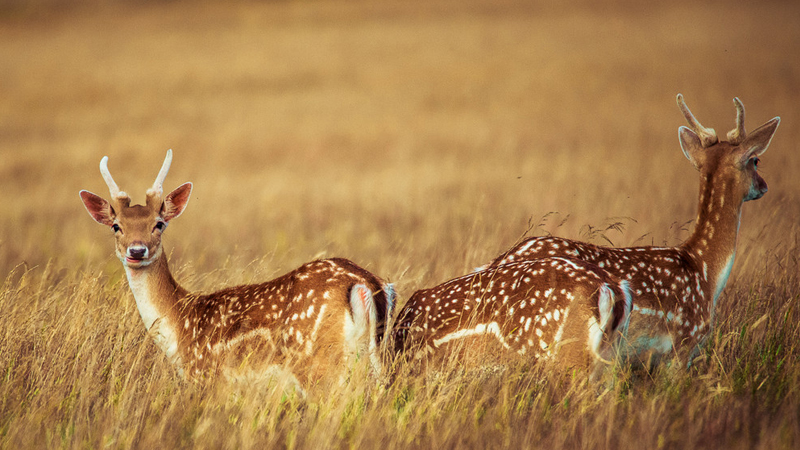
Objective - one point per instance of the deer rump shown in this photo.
(555, 309)
(313, 331)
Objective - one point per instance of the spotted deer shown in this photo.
(560, 308)
(308, 323)
(675, 289)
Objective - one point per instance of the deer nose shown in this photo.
(137, 252)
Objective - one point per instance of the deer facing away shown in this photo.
(558, 308)
(675, 289)
(309, 323)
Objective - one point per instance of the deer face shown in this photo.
(755, 186)
(138, 229)
(748, 153)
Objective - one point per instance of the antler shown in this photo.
(158, 185)
(737, 135)
(707, 136)
(112, 185)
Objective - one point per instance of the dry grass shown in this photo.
(418, 140)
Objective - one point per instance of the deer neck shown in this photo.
(157, 295)
(713, 242)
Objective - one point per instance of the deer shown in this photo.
(561, 309)
(676, 289)
(308, 325)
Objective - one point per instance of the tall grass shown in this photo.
(78, 371)
(419, 140)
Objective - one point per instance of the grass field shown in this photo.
(418, 139)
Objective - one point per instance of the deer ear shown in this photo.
(100, 210)
(757, 141)
(690, 144)
(175, 202)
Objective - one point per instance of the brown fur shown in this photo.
(298, 321)
(675, 289)
(532, 309)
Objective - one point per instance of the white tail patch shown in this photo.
(605, 305)
(597, 329)
(362, 325)
(362, 306)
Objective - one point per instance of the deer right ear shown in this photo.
(690, 144)
(758, 140)
(98, 208)
(175, 202)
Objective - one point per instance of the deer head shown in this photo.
(736, 159)
(138, 228)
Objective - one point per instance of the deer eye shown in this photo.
(160, 226)
(116, 228)
(755, 162)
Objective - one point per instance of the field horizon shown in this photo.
(417, 139)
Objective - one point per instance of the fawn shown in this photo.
(309, 323)
(675, 289)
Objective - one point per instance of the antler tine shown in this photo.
(707, 135)
(112, 185)
(737, 135)
(158, 188)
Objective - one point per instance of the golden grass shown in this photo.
(418, 140)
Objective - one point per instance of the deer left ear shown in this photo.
(690, 144)
(100, 210)
(175, 202)
(757, 141)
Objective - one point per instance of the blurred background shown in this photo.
(419, 139)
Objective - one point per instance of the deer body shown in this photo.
(311, 321)
(675, 289)
(305, 317)
(554, 307)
